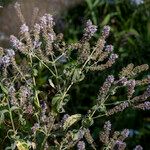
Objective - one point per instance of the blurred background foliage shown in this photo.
(130, 35)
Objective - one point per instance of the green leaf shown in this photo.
(77, 76)
(71, 120)
(87, 122)
(14, 108)
(133, 31)
(21, 145)
(56, 99)
(107, 18)
(3, 89)
(89, 3)
(59, 101)
(96, 3)
(2, 117)
(35, 72)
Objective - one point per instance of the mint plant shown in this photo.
(34, 117)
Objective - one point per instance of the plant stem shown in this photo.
(11, 117)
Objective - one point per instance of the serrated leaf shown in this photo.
(56, 99)
(22, 145)
(77, 76)
(59, 101)
(71, 120)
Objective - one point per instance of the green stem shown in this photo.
(34, 82)
(45, 65)
(11, 117)
(88, 59)
(56, 72)
(47, 134)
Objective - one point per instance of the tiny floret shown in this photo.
(138, 147)
(113, 57)
(24, 28)
(10, 52)
(89, 30)
(81, 145)
(6, 60)
(110, 79)
(37, 27)
(105, 31)
(109, 48)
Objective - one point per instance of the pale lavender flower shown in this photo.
(147, 105)
(146, 93)
(65, 117)
(43, 107)
(143, 106)
(35, 127)
(106, 86)
(125, 133)
(80, 134)
(107, 126)
(138, 147)
(105, 31)
(37, 27)
(15, 42)
(10, 52)
(13, 39)
(89, 30)
(24, 28)
(148, 89)
(113, 57)
(131, 85)
(110, 79)
(81, 145)
(43, 21)
(109, 48)
(119, 145)
(6, 60)
(11, 92)
(25, 91)
(51, 37)
(29, 109)
(50, 19)
(118, 108)
(37, 44)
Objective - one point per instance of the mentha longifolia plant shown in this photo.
(30, 115)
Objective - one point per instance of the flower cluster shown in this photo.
(37, 74)
(89, 30)
(115, 140)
